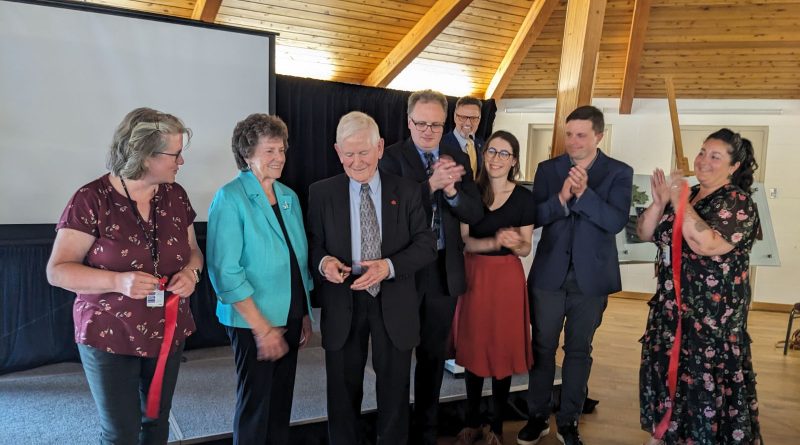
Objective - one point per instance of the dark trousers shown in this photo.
(119, 385)
(345, 373)
(264, 389)
(500, 390)
(583, 314)
(436, 317)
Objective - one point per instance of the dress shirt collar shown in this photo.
(591, 164)
(462, 141)
(374, 184)
(434, 152)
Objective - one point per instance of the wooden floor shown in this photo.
(615, 380)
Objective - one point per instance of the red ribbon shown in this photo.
(170, 322)
(675, 352)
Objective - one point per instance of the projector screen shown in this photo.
(70, 73)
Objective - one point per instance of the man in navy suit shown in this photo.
(582, 201)
(450, 197)
(467, 117)
(369, 235)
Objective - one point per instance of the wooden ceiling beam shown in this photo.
(531, 27)
(680, 160)
(206, 10)
(633, 59)
(583, 28)
(430, 25)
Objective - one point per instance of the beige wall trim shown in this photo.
(771, 307)
(643, 296)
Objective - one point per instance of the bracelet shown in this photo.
(195, 274)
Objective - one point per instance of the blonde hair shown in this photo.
(141, 133)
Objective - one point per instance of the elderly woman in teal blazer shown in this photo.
(258, 264)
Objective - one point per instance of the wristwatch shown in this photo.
(196, 273)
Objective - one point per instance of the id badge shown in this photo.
(156, 298)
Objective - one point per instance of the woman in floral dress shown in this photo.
(715, 401)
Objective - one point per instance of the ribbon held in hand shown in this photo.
(675, 351)
(170, 322)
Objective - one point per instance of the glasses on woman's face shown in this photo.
(174, 155)
(492, 152)
(435, 127)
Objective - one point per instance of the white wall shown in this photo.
(643, 139)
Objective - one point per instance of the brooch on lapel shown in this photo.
(285, 205)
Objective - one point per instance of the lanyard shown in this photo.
(150, 237)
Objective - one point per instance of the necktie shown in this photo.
(436, 219)
(370, 233)
(473, 157)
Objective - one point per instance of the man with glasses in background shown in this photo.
(467, 118)
(450, 197)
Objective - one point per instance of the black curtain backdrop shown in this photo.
(36, 319)
(312, 109)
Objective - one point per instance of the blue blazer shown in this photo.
(587, 235)
(246, 252)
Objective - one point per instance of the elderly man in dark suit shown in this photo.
(582, 201)
(368, 237)
(467, 117)
(449, 196)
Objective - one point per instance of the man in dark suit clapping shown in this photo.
(582, 201)
(450, 197)
(368, 237)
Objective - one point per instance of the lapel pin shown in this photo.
(285, 206)
(393, 202)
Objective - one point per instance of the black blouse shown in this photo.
(517, 211)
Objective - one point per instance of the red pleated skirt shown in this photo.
(491, 328)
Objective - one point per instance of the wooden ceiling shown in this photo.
(710, 48)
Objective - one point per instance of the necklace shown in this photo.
(150, 237)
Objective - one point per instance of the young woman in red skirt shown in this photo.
(491, 331)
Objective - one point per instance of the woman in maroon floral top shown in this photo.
(117, 237)
(715, 401)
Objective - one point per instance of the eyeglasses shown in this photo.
(473, 119)
(502, 154)
(174, 155)
(435, 127)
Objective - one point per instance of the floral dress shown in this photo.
(715, 402)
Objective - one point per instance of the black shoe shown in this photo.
(533, 431)
(589, 405)
(568, 434)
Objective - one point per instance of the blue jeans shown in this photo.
(119, 385)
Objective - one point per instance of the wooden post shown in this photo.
(680, 159)
(641, 15)
(579, 54)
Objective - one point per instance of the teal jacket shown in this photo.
(246, 253)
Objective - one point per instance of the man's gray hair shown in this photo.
(426, 96)
(355, 121)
